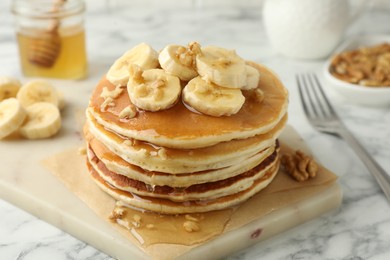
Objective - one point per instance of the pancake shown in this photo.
(178, 127)
(165, 206)
(204, 191)
(178, 161)
(116, 164)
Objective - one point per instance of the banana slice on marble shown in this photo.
(9, 87)
(61, 100)
(153, 89)
(142, 55)
(179, 60)
(37, 91)
(222, 67)
(12, 116)
(211, 99)
(252, 78)
(43, 121)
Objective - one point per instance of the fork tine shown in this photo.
(305, 108)
(317, 96)
(327, 102)
(307, 97)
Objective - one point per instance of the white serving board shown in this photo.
(44, 196)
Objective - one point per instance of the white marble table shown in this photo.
(360, 229)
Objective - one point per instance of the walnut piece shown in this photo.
(162, 153)
(128, 113)
(137, 221)
(258, 95)
(187, 55)
(190, 226)
(368, 66)
(108, 102)
(135, 73)
(117, 213)
(300, 166)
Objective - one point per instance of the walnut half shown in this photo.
(300, 166)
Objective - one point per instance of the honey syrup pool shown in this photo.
(71, 61)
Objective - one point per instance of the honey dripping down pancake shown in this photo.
(189, 129)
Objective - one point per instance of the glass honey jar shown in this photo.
(51, 38)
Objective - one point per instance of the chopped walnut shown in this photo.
(258, 95)
(117, 213)
(184, 56)
(128, 113)
(111, 93)
(162, 153)
(136, 72)
(369, 66)
(300, 166)
(137, 220)
(108, 102)
(190, 226)
(187, 55)
(194, 48)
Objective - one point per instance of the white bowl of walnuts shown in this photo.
(360, 70)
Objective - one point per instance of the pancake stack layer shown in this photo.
(193, 154)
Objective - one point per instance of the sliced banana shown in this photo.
(43, 120)
(179, 60)
(211, 99)
(9, 87)
(221, 66)
(154, 89)
(252, 78)
(12, 116)
(142, 55)
(37, 91)
(61, 100)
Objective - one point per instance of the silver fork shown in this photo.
(324, 118)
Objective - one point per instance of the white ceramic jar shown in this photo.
(306, 29)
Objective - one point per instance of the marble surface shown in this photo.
(360, 229)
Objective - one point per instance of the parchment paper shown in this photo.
(70, 167)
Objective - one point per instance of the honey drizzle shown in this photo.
(155, 228)
(180, 122)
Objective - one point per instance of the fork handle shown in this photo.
(376, 170)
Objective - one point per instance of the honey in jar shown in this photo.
(51, 38)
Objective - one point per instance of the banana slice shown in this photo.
(9, 87)
(37, 91)
(179, 60)
(222, 67)
(154, 89)
(252, 78)
(43, 120)
(211, 99)
(12, 116)
(142, 55)
(61, 100)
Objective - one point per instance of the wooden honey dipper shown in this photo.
(44, 50)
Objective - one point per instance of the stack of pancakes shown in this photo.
(178, 161)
